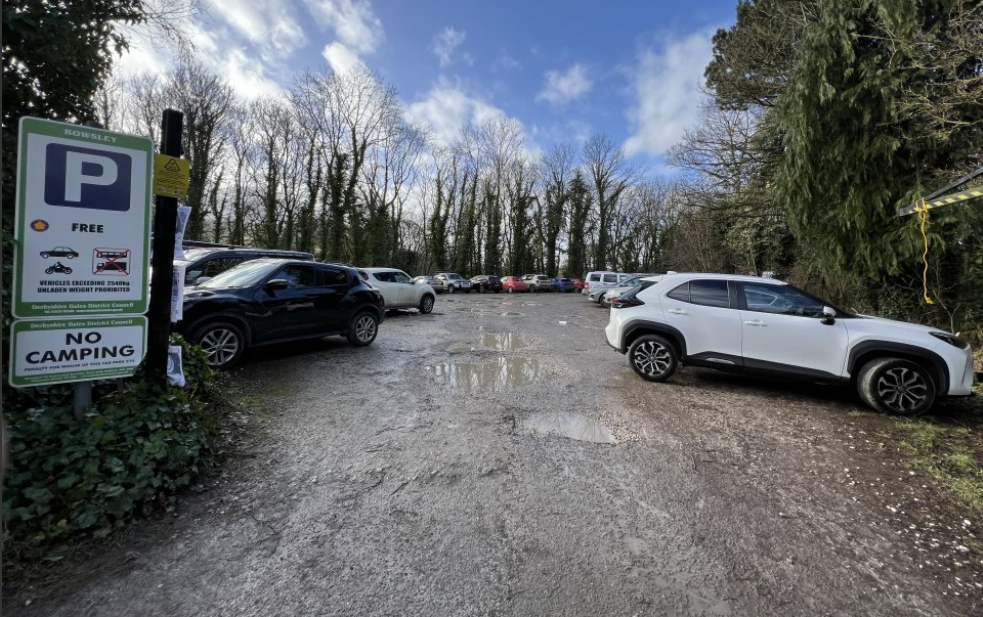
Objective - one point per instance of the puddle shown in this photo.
(504, 341)
(511, 314)
(499, 374)
(568, 424)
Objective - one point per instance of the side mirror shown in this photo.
(277, 284)
(829, 316)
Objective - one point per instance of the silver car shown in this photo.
(437, 284)
(454, 282)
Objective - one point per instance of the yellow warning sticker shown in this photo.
(171, 176)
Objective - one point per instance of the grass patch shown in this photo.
(950, 449)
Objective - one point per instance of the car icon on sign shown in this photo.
(60, 251)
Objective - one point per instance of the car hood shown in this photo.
(872, 321)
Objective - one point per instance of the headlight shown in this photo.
(953, 340)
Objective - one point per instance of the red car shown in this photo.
(513, 284)
(578, 284)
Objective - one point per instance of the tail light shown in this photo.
(621, 302)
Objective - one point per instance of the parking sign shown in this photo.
(83, 221)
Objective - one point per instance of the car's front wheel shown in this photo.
(895, 385)
(363, 329)
(450, 289)
(426, 304)
(222, 342)
(653, 357)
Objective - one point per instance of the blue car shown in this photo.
(562, 284)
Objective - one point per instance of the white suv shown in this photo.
(398, 289)
(747, 323)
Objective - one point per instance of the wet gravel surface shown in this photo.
(497, 458)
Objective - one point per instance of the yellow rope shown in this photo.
(922, 209)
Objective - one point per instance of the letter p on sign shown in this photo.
(79, 177)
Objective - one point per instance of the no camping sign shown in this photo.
(53, 351)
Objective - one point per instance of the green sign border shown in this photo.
(52, 128)
(41, 379)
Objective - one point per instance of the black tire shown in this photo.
(70, 256)
(426, 304)
(67, 270)
(45, 256)
(511, 290)
(604, 303)
(222, 342)
(897, 386)
(653, 357)
(48, 270)
(363, 329)
(450, 289)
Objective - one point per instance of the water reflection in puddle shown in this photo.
(504, 341)
(493, 376)
(568, 424)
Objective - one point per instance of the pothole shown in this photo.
(569, 424)
(502, 341)
(498, 374)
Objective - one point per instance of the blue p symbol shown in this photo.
(86, 178)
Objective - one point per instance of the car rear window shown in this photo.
(709, 293)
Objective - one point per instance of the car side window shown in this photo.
(384, 277)
(364, 275)
(298, 276)
(610, 278)
(780, 300)
(594, 278)
(680, 293)
(331, 276)
(709, 293)
(401, 277)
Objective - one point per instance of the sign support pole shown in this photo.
(165, 224)
(82, 399)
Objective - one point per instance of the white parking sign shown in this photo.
(83, 221)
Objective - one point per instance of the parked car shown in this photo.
(513, 284)
(204, 262)
(626, 285)
(455, 282)
(578, 284)
(267, 301)
(745, 323)
(599, 282)
(561, 284)
(537, 282)
(435, 283)
(398, 289)
(486, 282)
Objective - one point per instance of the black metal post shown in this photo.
(165, 223)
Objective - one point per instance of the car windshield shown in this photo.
(455, 277)
(246, 275)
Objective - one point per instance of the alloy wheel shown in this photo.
(902, 389)
(365, 329)
(221, 346)
(652, 358)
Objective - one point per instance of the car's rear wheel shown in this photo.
(426, 304)
(653, 357)
(363, 329)
(511, 289)
(896, 385)
(222, 342)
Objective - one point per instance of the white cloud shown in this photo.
(341, 58)
(268, 24)
(447, 109)
(446, 43)
(667, 87)
(564, 87)
(353, 22)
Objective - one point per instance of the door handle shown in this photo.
(756, 322)
(678, 311)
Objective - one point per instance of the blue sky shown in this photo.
(565, 70)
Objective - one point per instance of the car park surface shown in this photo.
(496, 458)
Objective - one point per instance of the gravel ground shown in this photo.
(497, 458)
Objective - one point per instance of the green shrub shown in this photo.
(70, 480)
